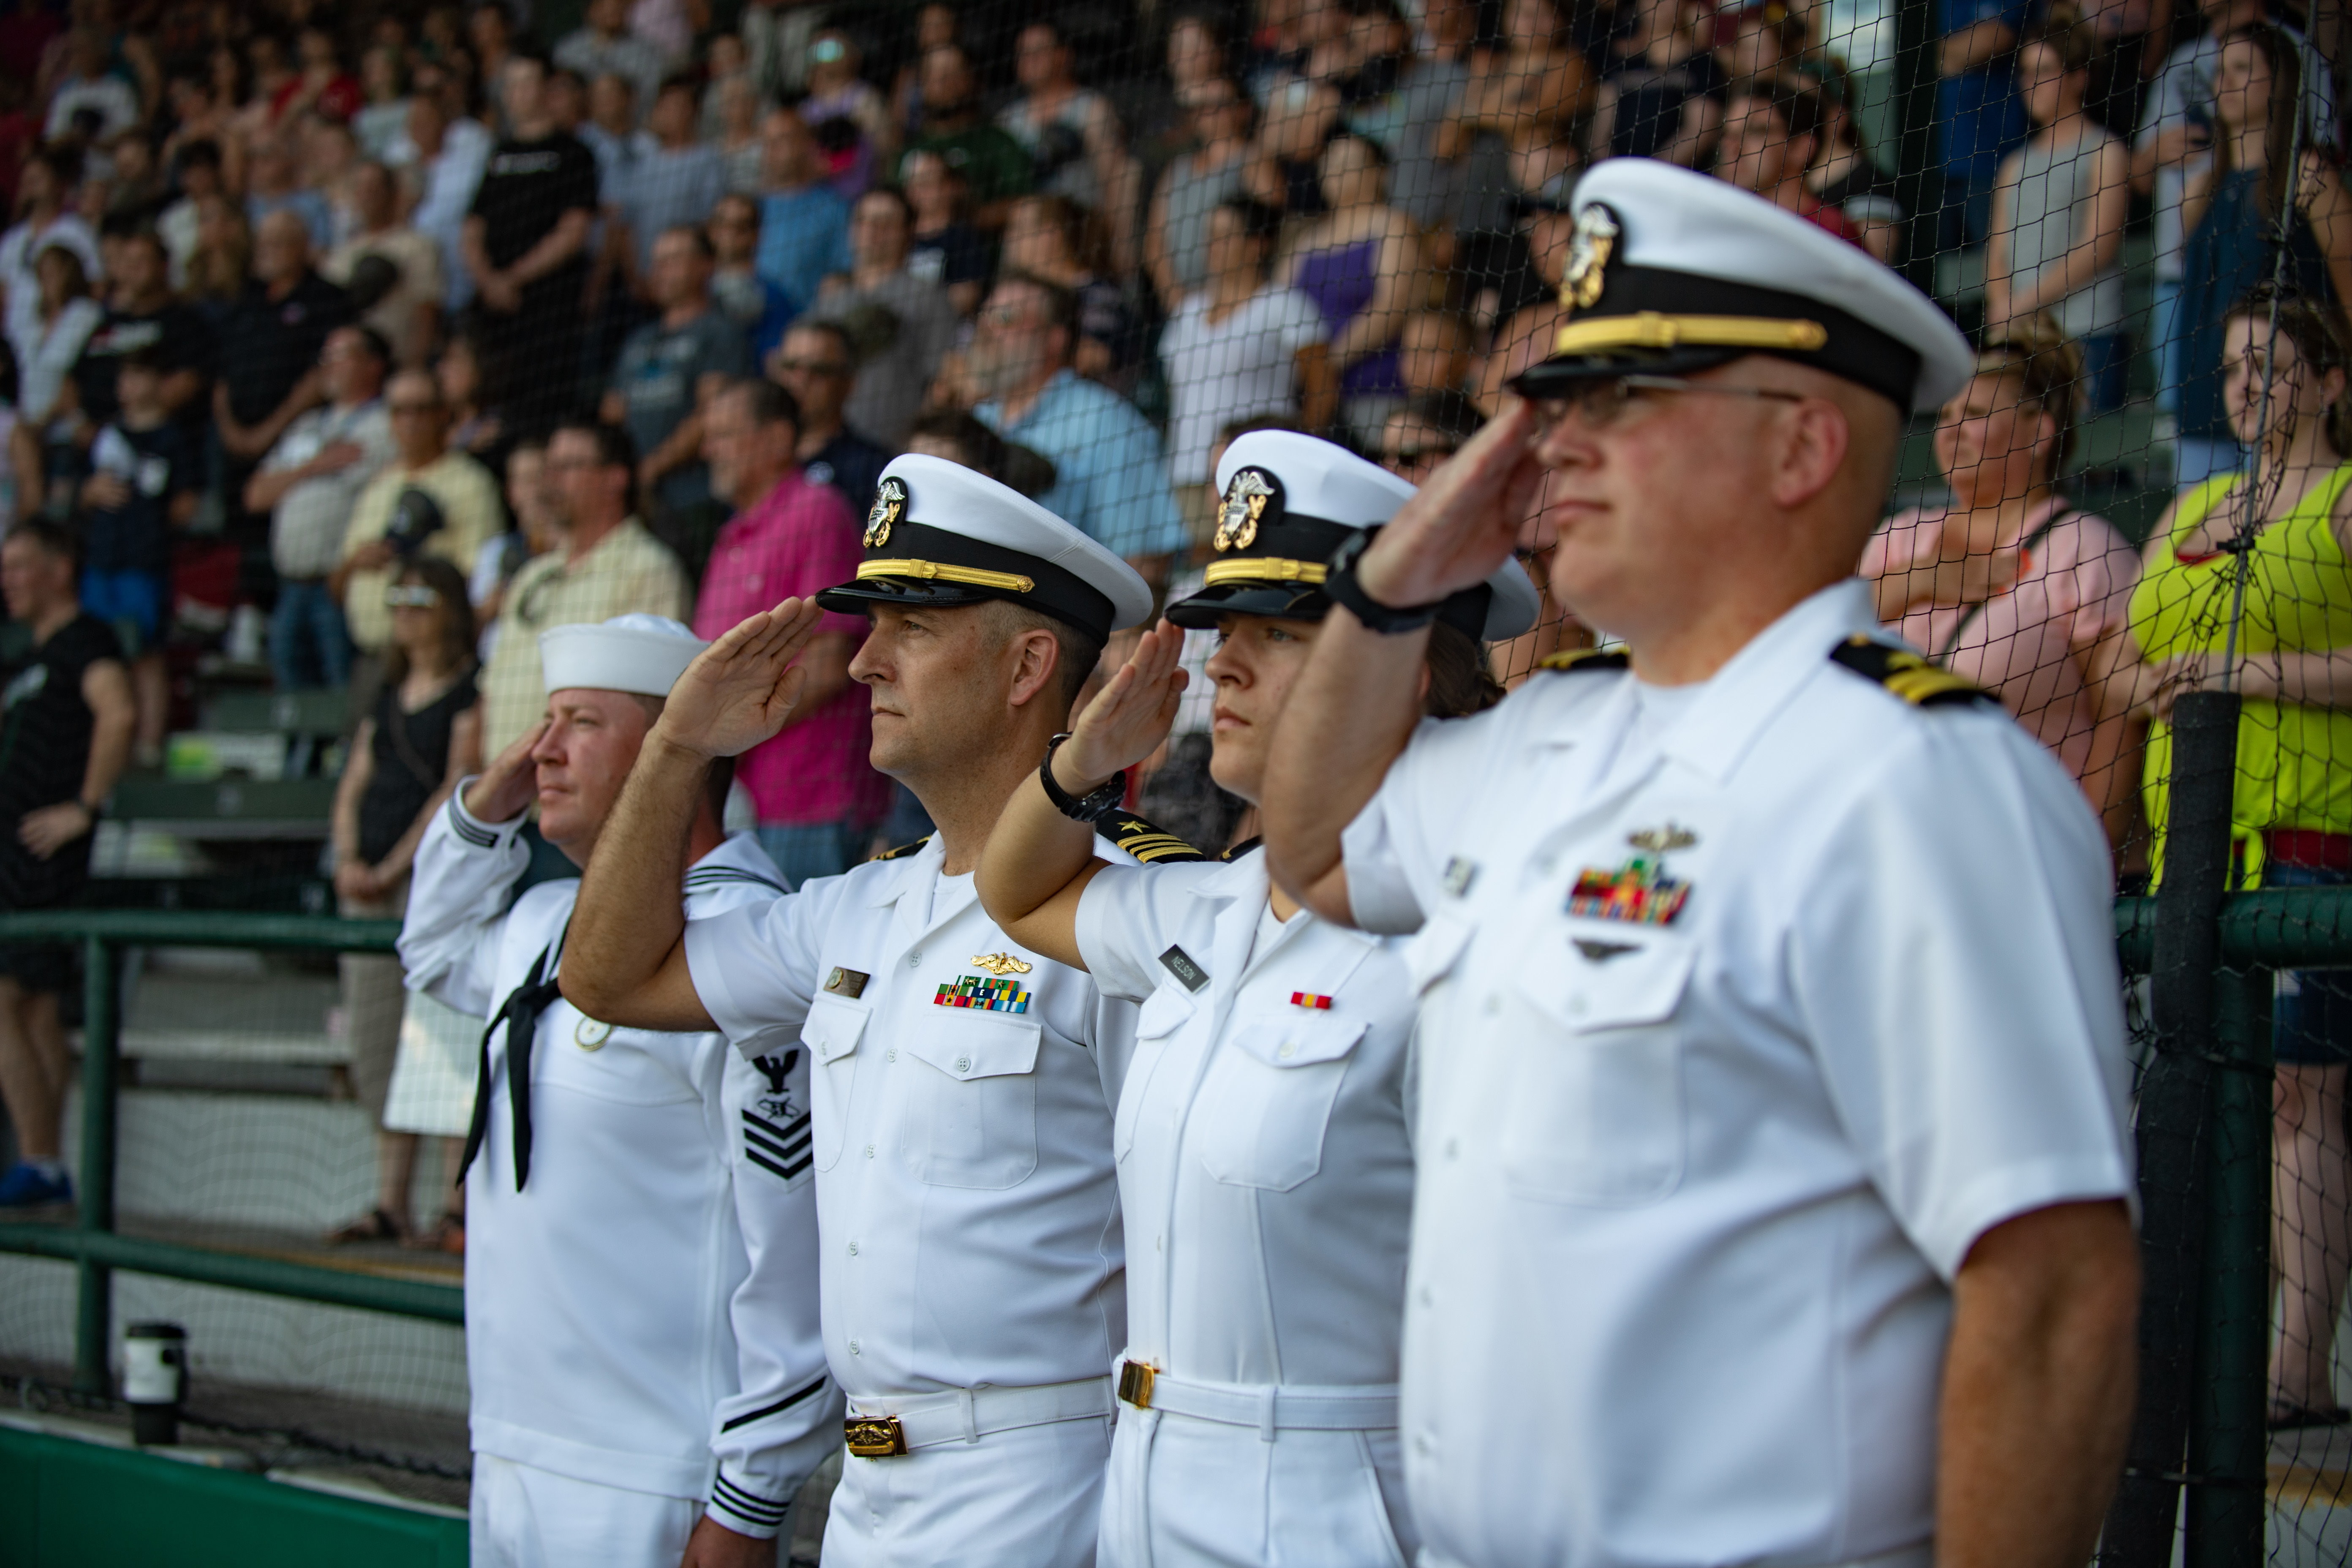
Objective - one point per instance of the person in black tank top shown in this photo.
(423, 737)
(66, 718)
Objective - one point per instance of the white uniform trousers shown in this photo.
(1029, 1498)
(1188, 1493)
(524, 1517)
(1902, 1557)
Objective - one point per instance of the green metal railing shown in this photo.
(92, 1244)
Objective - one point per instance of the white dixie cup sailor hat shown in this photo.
(940, 534)
(634, 653)
(1671, 272)
(1289, 501)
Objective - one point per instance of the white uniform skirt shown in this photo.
(1192, 1492)
(1030, 1497)
(524, 1517)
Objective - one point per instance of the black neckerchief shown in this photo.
(520, 1013)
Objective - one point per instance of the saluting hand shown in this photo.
(740, 690)
(1464, 522)
(1129, 716)
(508, 785)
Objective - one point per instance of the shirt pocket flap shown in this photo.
(1162, 1013)
(1430, 954)
(1299, 1042)
(970, 1047)
(1629, 989)
(833, 1029)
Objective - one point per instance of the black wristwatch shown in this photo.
(1089, 807)
(1340, 585)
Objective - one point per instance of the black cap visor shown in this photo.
(1276, 600)
(1555, 377)
(917, 567)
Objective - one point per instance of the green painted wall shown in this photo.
(65, 1504)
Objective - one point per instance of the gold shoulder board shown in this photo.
(1586, 659)
(1151, 844)
(904, 851)
(1907, 675)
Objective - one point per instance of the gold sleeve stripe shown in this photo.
(1265, 569)
(932, 571)
(1652, 329)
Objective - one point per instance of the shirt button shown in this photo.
(1453, 1149)
(963, 1064)
(891, 1055)
(1576, 1006)
(1493, 1003)
(1421, 1442)
(1428, 1297)
(1160, 1242)
(869, 1151)
(853, 1249)
(1287, 1051)
(855, 1350)
(915, 959)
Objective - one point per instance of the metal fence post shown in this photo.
(94, 1281)
(2228, 1449)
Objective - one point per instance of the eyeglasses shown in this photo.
(397, 409)
(1602, 403)
(812, 367)
(410, 596)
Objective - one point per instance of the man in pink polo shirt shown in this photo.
(818, 799)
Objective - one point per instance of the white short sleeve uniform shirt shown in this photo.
(1743, 1014)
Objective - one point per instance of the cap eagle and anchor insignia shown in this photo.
(1248, 494)
(1907, 675)
(890, 506)
(1589, 250)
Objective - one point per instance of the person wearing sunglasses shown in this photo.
(1429, 429)
(1772, 1056)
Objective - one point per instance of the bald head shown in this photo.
(281, 248)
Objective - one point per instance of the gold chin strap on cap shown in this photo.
(1265, 569)
(1652, 329)
(931, 571)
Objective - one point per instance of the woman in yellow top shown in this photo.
(2292, 812)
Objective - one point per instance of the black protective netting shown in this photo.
(306, 306)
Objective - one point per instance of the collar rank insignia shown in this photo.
(1589, 250)
(890, 506)
(989, 995)
(1310, 1001)
(1000, 963)
(1659, 840)
(1247, 495)
(1638, 892)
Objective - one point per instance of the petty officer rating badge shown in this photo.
(1638, 892)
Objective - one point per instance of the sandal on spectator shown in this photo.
(374, 1226)
(2294, 1417)
(448, 1234)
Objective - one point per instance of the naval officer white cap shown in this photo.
(1671, 272)
(1289, 501)
(640, 654)
(942, 534)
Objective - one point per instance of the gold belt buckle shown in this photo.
(1135, 1383)
(875, 1437)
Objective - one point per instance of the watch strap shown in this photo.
(1089, 807)
(1340, 585)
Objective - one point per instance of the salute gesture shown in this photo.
(1129, 718)
(740, 690)
(1465, 522)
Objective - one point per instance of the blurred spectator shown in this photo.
(204, 116)
(268, 72)
(1245, 345)
(1533, 93)
(1434, 352)
(474, 388)
(902, 325)
(423, 735)
(607, 565)
(89, 84)
(382, 124)
(1430, 428)
(1052, 237)
(408, 307)
(451, 157)
(836, 92)
(1978, 116)
(817, 364)
(22, 483)
(309, 484)
(737, 138)
(47, 344)
(145, 474)
(1358, 264)
(1285, 168)
(1661, 95)
(526, 241)
(1112, 477)
(198, 170)
(66, 728)
(2257, 199)
(43, 188)
(270, 343)
(135, 194)
(1160, 114)
(1760, 41)
(937, 27)
(611, 130)
(668, 371)
(1772, 130)
(273, 185)
(676, 181)
(724, 61)
(142, 316)
(320, 85)
(538, 529)
(1176, 240)
(428, 502)
(995, 167)
(803, 222)
(759, 308)
(2058, 215)
(946, 250)
(955, 435)
(2010, 585)
(1073, 142)
(219, 267)
(604, 45)
(1845, 177)
(816, 796)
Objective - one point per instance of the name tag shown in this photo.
(1180, 964)
(846, 983)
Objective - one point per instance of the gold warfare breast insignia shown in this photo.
(1589, 250)
(1000, 964)
(1247, 495)
(890, 506)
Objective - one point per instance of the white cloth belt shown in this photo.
(967, 1415)
(1270, 1407)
